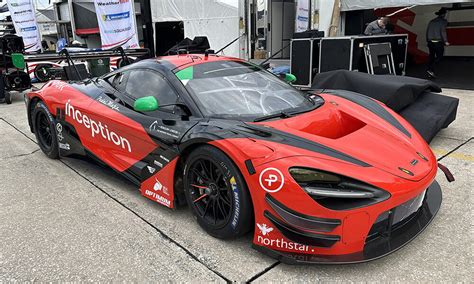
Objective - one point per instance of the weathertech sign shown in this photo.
(24, 20)
(116, 23)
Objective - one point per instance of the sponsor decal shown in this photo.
(110, 3)
(98, 130)
(264, 229)
(117, 31)
(160, 187)
(116, 16)
(22, 12)
(60, 85)
(64, 146)
(302, 18)
(109, 103)
(160, 199)
(164, 158)
(28, 29)
(59, 130)
(164, 130)
(271, 180)
(25, 21)
(152, 170)
(19, 4)
(235, 191)
(158, 164)
(263, 238)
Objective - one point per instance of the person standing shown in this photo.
(436, 38)
(377, 27)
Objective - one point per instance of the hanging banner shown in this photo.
(117, 25)
(302, 16)
(24, 20)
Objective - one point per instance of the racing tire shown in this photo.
(8, 97)
(45, 133)
(42, 72)
(217, 193)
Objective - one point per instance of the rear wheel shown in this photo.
(217, 194)
(44, 131)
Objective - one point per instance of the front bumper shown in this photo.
(394, 238)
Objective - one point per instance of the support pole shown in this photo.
(336, 15)
(147, 26)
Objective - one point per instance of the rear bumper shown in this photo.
(378, 247)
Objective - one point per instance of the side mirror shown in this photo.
(290, 78)
(146, 104)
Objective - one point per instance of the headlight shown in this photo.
(337, 192)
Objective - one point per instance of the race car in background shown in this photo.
(44, 71)
(328, 177)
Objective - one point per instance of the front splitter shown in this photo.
(379, 247)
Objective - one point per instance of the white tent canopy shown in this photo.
(349, 5)
(217, 20)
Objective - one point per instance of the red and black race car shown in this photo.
(328, 177)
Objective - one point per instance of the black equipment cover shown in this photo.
(412, 98)
(198, 45)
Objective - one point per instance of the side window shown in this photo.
(117, 81)
(143, 83)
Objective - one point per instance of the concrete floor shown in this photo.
(72, 220)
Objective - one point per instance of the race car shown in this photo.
(319, 177)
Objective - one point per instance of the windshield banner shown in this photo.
(117, 24)
(24, 20)
(302, 16)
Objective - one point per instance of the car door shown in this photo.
(109, 132)
(164, 127)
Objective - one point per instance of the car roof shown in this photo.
(185, 60)
(174, 63)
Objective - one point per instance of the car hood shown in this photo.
(366, 134)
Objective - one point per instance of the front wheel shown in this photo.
(44, 131)
(217, 193)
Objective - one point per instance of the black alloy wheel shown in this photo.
(217, 193)
(44, 131)
(211, 194)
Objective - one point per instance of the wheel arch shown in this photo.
(30, 107)
(226, 149)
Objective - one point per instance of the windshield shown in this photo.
(240, 90)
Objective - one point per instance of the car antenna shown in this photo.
(229, 44)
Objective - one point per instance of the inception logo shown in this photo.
(97, 127)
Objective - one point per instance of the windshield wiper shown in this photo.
(281, 114)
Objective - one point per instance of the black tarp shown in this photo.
(198, 45)
(414, 99)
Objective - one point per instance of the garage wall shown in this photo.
(214, 19)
